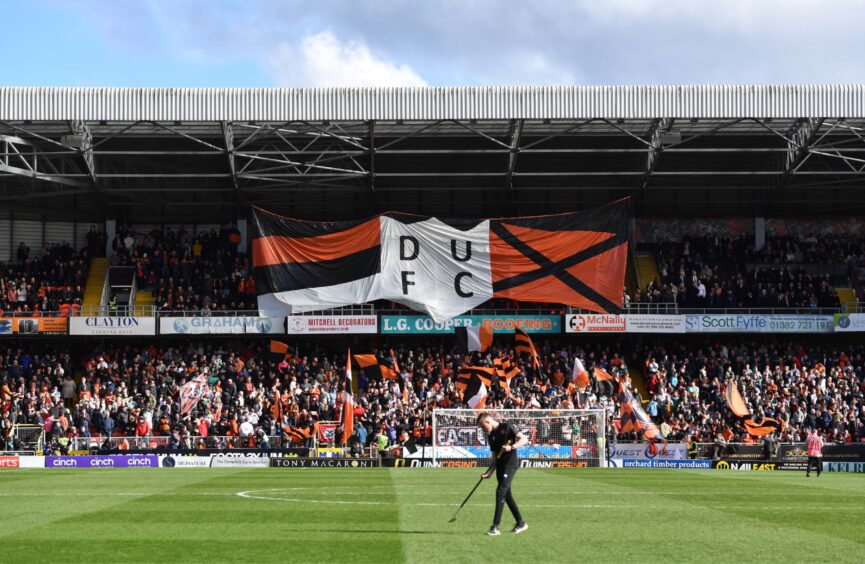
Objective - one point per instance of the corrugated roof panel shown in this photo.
(404, 103)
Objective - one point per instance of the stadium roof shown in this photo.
(168, 154)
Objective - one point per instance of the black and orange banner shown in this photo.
(442, 267)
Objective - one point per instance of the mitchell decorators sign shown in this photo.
(221, 325)
(346, 324)
(441, 267)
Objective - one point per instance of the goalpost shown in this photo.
(558, 438)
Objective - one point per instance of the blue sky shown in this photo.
(197, 43)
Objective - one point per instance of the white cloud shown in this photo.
(321, 59)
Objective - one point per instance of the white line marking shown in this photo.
(256, 494)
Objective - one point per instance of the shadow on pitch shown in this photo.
(389, 531)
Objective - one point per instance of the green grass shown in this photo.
(393, 515)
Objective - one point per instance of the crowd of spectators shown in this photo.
(53, 281)
(799, 385)
(132, 390)
(203, 273)
(714, 273)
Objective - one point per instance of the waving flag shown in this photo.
(474, 383)
(348, 403)
(760, 428)
(192, 392)
(373, 369)
(735, 401)
(634, 419)
(505, 372)
(477, 338)
(579, 375)
(523, 344)
(441, 267)
(300, 434)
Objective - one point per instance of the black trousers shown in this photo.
(505, 475)
(818, 464)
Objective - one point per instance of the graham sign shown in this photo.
(112, 326)
(423, 324)
(221, 325)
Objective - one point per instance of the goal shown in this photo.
(558, 438)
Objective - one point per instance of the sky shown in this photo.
(325, 43)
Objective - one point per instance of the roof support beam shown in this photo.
(228, 136)
(516, 134)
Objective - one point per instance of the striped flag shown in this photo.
(505, 372)
(477, 338)
(474, 383)
(300, 434)
(373, 369)
(524, 344)
(279, 351)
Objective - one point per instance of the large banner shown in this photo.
(731, 323)
(112, 326)
(221, 325)
(441, 267)
(849, 322)
(343, 324)
(425, 325)
(33, 326)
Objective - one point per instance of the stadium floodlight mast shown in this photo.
(557, 437)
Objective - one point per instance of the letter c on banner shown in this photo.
(457, 287)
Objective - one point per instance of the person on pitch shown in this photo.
(504, 440)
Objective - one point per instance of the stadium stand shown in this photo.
(131, 390)
(52, 282)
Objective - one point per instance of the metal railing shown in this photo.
(361, 309)
(369, 309)
(155, 442)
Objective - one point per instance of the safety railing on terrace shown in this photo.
(369, 309)
(162, 442)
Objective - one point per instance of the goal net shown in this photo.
(29, 438)
(557, 437)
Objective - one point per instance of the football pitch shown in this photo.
(401, 515)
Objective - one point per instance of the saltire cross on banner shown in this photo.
(441, 267)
